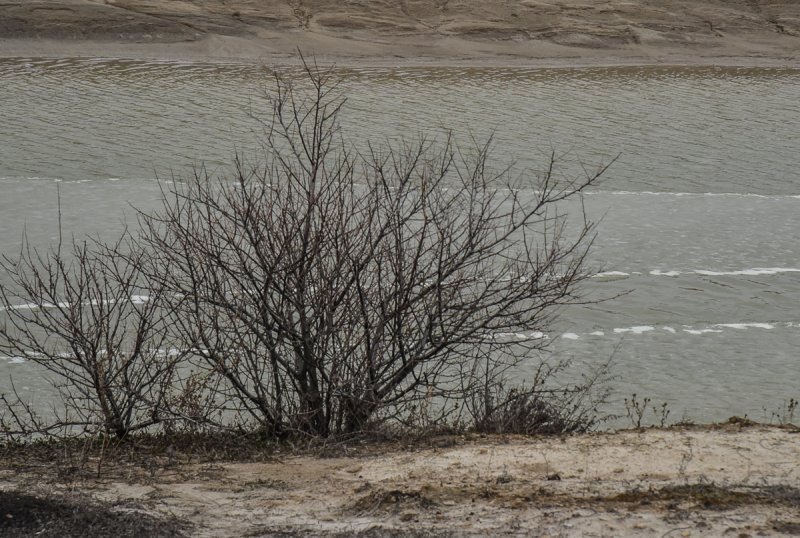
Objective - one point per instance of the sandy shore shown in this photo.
(411, 32)
(728, 480)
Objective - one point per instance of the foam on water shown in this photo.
(741, 326)
(34, 306)
(535, 335)
(611, 275)
(749, 272)
(640, 329)
(697, 194)
(55, 179)
(608, 276)
(31, 178)
(701, 331)
(657, 272)
(755, 271)
(135, 299)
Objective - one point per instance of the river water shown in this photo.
(699, 216)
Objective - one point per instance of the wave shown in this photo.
(134, 299)
(54, 179)
(535, 335)
(701, 331)
(617, 332)
(749, 325)
(608, 276)
(755, 271)
(31, 178)
(714, 328)
(589, 193)
(638, 330)
(697, 194)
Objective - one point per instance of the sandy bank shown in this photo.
(729, 480)
(416, 32)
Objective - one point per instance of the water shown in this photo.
(699, 216)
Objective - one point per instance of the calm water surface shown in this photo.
(700, 215)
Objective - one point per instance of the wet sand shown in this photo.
(411, 32)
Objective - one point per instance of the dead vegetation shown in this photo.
(393, 501)
(506, 494)
(709, 496)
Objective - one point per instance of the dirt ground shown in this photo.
(400, 32)
(77, 515)
(730, 480)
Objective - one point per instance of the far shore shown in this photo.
(430, 33)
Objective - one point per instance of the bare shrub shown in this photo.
(86, 315)
(543, 406)
(19, 421)
(636, 411)
(331, 287)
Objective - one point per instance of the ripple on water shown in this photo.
(698, 239)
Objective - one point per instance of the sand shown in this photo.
(728, 480)
(411, 32)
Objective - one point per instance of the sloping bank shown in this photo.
(501, 32)
(733, 479)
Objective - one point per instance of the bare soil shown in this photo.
(23, 514)
(500, 32)
(735, 479)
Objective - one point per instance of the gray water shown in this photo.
(699, 216)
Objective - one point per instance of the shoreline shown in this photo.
(253, 54)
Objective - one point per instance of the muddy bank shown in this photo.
(518, 32)
(728, 480)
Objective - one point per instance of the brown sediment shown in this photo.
(416, 32)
